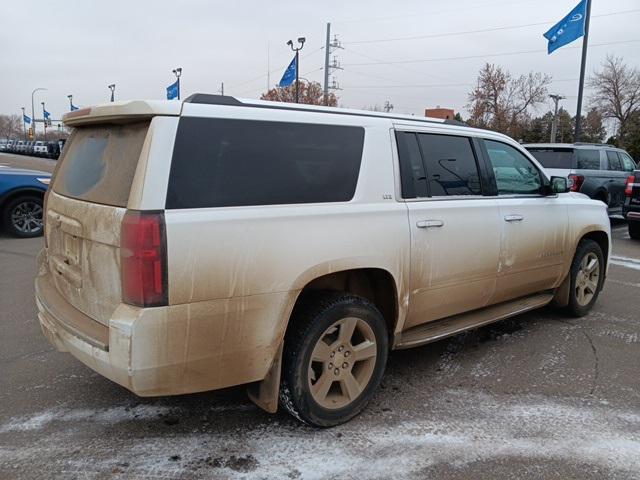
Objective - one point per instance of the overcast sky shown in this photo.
(80, 46)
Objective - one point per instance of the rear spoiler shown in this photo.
(122, 112)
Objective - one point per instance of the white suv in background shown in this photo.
(198, 245)
(40, 148)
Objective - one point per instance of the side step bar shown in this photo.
(446, 327)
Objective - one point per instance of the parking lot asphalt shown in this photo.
(538, 396)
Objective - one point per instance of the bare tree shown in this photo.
(311, 93)
(10, 126)
(503, 103)
(616, 93)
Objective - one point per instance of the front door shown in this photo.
(455, 230)
(534, 226)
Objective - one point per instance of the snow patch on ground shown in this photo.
(457, 428)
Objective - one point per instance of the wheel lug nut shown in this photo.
(330, 366)
(345, 365)
(347, 353)
(332, 354)
(340, 348)
(336, 371)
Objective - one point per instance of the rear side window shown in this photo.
(451, 165)
(514, 173)
(614, 160)
(99, 163)
(587, 159)
(227, 163)
(553, 157)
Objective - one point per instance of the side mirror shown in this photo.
(559, 185)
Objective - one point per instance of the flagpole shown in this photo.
(24, 126)
(585, 41)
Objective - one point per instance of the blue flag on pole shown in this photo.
(46, 114)
(568, 29)
(172, 91)
(26, 119)
(289, 74)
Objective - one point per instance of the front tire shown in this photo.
(587, 277)
(24, 216)
(334, 357)
(634, 229)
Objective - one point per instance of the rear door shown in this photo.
(455, 229)
(534, 226)
(85, 207)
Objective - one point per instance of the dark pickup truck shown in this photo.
(631, 207)
(597, 170)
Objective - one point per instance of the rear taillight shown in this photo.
(143, 254)
(576, 182)
(628, 189)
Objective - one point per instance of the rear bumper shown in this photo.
(170, 350)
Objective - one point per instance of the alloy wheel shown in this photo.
(587, 279)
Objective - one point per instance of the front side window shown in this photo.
(614, 160)
(226, 162)
(451, 165)
(587, 159)
(514, 173)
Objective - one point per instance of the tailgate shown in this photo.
(84, 212)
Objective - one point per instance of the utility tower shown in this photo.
(330, 66)
(554, 124)
(387, 106)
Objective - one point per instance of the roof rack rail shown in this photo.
(594, 144)
(211, 99)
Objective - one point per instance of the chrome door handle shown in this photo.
(513, 218)
(429, 223)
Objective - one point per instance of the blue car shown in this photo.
(21, 197)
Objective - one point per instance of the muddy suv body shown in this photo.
(198, 245)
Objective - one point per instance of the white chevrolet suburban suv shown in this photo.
(215, 242)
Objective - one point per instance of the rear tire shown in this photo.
(634, 229)
(23, 216)
(334, 356)
(587, 276)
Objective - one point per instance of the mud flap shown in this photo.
(265, 393)
(561, 297)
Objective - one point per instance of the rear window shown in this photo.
(553, 157)
(226, 163)
(99, 163)
(587, 159)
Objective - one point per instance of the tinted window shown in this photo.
(225, 163)
(627, 162)
(614, 161)
(587, 159)
(514, 173)
(413, 179)
(451, 165)
(99, 163)
(553, 157)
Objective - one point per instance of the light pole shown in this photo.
(70, 97)
(178, 72)
(301, 41)
(44, 121)
(24, 125)
(554, 123)
(112, 87)
(33, 110)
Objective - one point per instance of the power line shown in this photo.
(484, 55)
(482, 30)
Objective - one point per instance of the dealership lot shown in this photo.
(538, 395)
